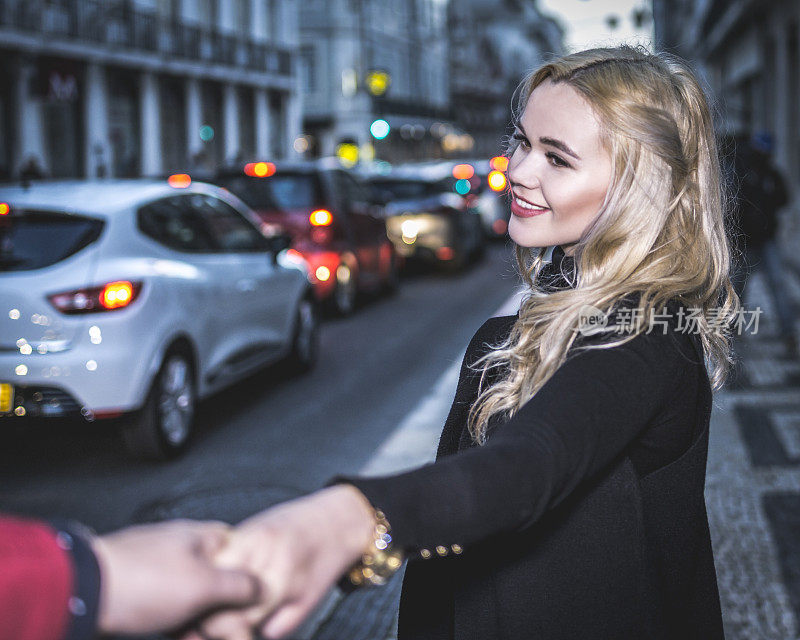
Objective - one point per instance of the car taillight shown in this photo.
(259, 169)
(321, 218)
(114, 295)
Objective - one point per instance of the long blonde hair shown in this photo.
(660, 233)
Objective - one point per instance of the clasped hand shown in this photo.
(267, 574)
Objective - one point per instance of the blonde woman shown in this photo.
(566, 500)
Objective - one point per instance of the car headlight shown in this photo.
(409, 229)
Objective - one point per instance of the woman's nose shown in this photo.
(525, 172)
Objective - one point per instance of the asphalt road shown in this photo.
(268, 438)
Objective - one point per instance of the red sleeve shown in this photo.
(36, 581)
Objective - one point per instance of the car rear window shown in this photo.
(36, 239)
(279, 192)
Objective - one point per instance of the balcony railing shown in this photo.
(119, 26)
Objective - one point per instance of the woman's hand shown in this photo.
(157, 577)
(298, 550)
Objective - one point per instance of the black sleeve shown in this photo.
(594, 405)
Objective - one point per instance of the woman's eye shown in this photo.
(556, 160)
(522, 140)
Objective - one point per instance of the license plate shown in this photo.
(6, 397)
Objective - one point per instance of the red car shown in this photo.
(333, 223)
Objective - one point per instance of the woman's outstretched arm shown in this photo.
(580, 421)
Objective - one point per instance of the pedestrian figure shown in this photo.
(31, 170)
(761, 194)
(567, 496)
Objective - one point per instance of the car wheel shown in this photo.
(162, 428)
(305, 337)
(344, 295)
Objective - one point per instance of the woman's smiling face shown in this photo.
(559, 172)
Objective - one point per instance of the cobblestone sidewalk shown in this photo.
(753, 483)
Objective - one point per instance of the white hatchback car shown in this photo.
(135, 298)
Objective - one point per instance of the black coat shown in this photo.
(582, 517)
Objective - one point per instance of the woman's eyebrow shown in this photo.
(558, 144)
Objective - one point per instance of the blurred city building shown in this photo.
(748, 52)
(367, 61)
(146, 87)
(434, 77)
(493, 44)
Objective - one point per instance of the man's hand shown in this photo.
(159, 577)
(298, 550)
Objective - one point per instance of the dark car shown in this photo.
(333, 223)
(427, 220)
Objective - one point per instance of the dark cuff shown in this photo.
(83, 604)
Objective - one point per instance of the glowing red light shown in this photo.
(116, 294)
(4, 209)
(295, 254)
(321, 218)
(179, 180)
(259, 169)
(445, 253)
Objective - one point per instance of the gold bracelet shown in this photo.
(380, 561)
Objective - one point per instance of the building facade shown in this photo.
(94, 88)
(452, 67)
(493, 45)
(748, 53)
(364, 60)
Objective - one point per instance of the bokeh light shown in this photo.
(301, 144)
(497, 180)
(347, 152)
(206, 133)
(321, 218)
(463, 171)
(379, 129)
(378, 82)
(179, 180)
(499, 163)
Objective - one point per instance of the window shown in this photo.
(38, 239)
(243, 17)
(172, 223)
(230, 231)
(307, 69)
(281, 192)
